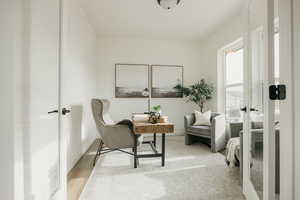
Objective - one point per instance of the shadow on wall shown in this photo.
(74, 129)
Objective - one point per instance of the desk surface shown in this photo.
(144, 127)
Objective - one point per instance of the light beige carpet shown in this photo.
(191, 173)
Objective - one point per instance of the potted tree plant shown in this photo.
(198, 93)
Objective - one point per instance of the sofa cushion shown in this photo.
(202, 119)
(201, 130)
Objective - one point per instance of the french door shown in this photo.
(259, 121)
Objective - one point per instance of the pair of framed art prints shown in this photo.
(144, 81)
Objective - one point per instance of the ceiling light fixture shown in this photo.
(168, 4)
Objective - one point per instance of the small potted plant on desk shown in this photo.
(157, 109)
(154, 115)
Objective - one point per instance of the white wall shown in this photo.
(79, 75)
(143, 51)
(7, 53)
(297, 96)
(11, 16)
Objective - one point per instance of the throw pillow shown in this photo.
(202, 119)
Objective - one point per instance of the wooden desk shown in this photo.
(146, 128)
(143, 128)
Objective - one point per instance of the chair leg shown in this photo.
(135, 159)
(98, 152)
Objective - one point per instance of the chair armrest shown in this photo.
(189, 120)
(218, 133)
(118, 136)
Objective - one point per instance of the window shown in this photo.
(231, 74)
(234, 83)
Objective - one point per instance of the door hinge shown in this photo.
(277, 92)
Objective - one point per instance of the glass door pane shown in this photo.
(234, 103)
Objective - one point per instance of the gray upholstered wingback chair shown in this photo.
(113, 136)
(215, 134)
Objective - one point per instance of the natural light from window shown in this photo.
(234, 67)
(234, 84)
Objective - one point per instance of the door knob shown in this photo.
(251, 109)
(65, 111)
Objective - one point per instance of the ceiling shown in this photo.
(192, 19)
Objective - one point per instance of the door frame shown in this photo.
(62, 192)
(268, 136)
(287, 112)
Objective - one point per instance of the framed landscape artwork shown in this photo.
(164, 79)
(132, 81)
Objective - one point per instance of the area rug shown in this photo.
(191, 173)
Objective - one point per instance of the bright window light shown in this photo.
(234, 84)
(234, 67)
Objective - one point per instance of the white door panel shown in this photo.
(42, 139)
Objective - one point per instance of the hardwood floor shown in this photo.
(79, 175)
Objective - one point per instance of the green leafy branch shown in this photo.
(198, 93)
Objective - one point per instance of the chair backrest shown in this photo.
(100, 108)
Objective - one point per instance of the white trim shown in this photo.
(221, 81)
(287, 118)
(62, 190)
(269, 134)
(248, 189)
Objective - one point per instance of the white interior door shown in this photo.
(42, 141)
(259, 134)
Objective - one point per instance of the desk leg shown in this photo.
(154, 139)
(135, 152)
(163, 143)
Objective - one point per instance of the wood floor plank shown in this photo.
(78, 176)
